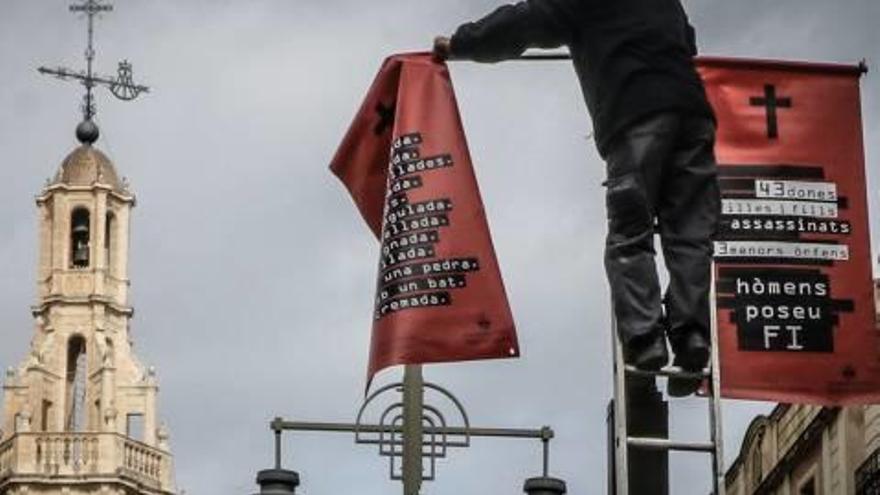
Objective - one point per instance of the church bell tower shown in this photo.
(79, 414)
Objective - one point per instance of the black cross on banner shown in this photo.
(771, 102)
(386, 117)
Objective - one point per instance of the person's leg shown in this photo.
(688, 215)
(635, 167)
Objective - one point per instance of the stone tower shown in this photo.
(79, 413)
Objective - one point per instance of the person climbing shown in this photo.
(655, 129)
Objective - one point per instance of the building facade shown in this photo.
(79, 414)
(810, 450)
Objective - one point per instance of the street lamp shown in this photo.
(277, 482)
(544, 486)
(437, 434)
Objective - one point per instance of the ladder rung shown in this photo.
(664, 444)
(670, 372)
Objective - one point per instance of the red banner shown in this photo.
(794, 290)
(405, 161)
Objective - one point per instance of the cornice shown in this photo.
(50, 191)
(51, 301)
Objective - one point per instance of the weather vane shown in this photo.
(122, 87)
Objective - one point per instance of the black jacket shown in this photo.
(633, 57)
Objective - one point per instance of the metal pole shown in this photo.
(621, 447)
(717, 434)
(277, 446)
(546, 466)
(426, 430)
(90, 57)
(413, 403)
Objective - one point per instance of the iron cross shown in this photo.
(771, 102)
(122, 86)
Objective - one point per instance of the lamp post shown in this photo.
(434, 438)
(277, 481)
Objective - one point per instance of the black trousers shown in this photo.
(662, 177)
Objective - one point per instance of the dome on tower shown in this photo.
(86, 166)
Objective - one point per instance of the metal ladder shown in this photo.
(623, 441)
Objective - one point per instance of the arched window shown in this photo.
(80, 235)
(109, 239)
(45, 415)
(757, 461)
(76, 383)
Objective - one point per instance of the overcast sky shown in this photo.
(253, 273)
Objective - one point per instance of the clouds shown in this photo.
(252, 272)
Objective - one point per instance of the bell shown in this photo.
(81, 254)
(80, 230)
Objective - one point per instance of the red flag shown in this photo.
(405, 161)
(795, 304)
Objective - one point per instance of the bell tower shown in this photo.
(79, 414)
(80, 411)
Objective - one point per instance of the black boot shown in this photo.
(691, 354)
(648, 353)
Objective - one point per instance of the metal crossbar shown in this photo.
(623, 441)
(392, 441)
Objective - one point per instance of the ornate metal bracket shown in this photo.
(439, 435)
(445, 426)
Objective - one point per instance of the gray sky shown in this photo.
(253, 273)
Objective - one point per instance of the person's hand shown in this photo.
(442, 49)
